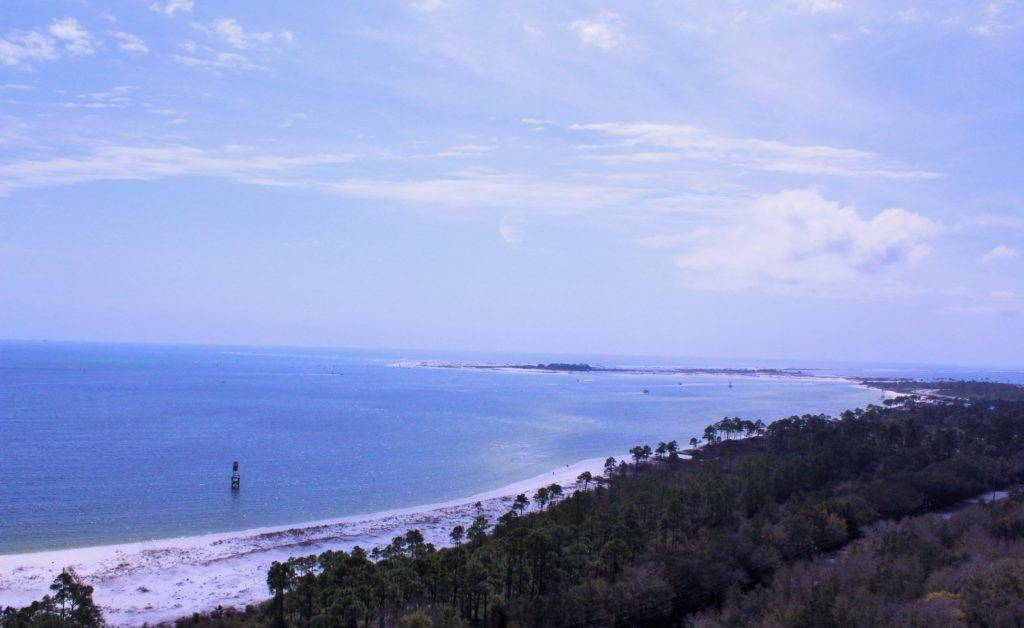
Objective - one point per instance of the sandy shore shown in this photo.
(161, 580)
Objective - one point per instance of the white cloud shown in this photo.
(76, 39)
(799, 241)
(114, 98)
(695, 143)
(1000, 253)
(131, 43)
(511, 230)
(605, 32)
(19, 48)
(466, 150)
(219, 61)
(479, 189)
(998, 17)
(125, 163)
(637, 157)
(170, 7)
(232, 32)
(817, 6)
(164, 111)
(427, 6)
(119, 94)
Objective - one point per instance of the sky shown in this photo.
(804, 179)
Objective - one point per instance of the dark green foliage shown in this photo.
(958, 388)
(68, 605)
(925, 571)
(554, 366)
(658, 541)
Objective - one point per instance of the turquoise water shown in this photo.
(113, 443)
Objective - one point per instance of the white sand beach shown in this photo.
(161, 580)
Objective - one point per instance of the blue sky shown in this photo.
(792, 179)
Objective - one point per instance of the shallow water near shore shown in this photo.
(118, 443)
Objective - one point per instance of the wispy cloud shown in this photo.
(817, 6)
(170, 7)
(114, 98)
(234, 34)
(130, 43)
(427, 6)
(1000, 253)
(689, 142)
(20, 48)
(466, 150)
(12, 130)
(482, 189)
(605, 31)
(219, 61)
(998, 17)
(512, 230)
(126, 163)
(76, 39)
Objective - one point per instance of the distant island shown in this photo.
(554, 366)
(564, 367)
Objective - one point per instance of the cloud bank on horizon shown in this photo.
(619, 175)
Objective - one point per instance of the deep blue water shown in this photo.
(110, 443)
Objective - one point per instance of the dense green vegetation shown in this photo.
(69, 604)
(956, 388)
(558, 366)
(927, 571)
(554, 366)
(663, 539)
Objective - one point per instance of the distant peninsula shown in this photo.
(937, 389)
(948, 388)
(565, 367)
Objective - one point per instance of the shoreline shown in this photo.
(739, 373)
(161, 580)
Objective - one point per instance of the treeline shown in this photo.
(956, 388)
(69, 603)
(967, 570)
(662, 539)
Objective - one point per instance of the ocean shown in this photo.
(108, 443)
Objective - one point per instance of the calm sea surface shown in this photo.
(111, 443)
